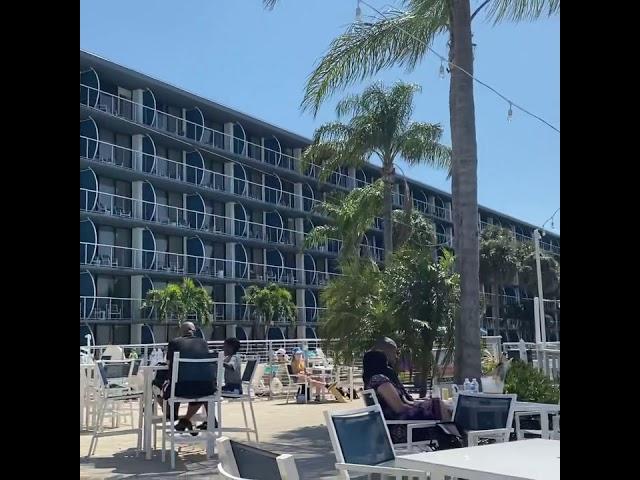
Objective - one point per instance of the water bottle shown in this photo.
(474, 386)
(466, 386)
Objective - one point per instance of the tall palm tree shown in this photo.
(379, 125)
(402, 38)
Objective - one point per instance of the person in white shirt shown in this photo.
(232, 366)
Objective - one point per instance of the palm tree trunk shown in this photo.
(387, 179)
(465, 194)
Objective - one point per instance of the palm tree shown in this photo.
(380, 124)
(179, 301)
(351, 217)
(352, 214)
(271, 303)
(402, 38)
(498, 261)
(549, 267)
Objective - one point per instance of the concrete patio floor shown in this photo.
(298, 429)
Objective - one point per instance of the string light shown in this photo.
(510, 113)
(551, 219)
(358, 12)
(453, 65)
(441, 70)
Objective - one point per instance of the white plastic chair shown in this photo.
(190, 370)
(484, 416)
(370, 398)
(248, 378)
(362, 444)
(295, 383)
(110, 390)
(244, 462)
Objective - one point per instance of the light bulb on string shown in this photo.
(510, 113)
(441, 73)
(358, 13)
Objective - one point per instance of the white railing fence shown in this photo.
(543, 355)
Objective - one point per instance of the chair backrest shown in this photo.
(369, 397)
(113, 370)
(360, 436)
(203, 370)
(244, 462)
(249, 370)
(481, 411)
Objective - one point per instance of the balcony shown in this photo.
(197, 133)
(128, 310)
(105, 309)
(135, 210)
(159, 167)
(111, 257)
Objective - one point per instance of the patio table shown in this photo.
(537, 459)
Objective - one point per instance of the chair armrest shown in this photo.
(500, 434)
(397, 472)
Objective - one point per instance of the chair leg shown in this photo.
(246, 423)
(172, 439)
(210, 438)
(219, 408)
(140, 424)
(253, 417)
(98, 428)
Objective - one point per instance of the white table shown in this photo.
(148, 373)
(535, 459)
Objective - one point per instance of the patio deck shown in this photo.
(297, 429)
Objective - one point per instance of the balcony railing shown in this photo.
(129, 310)
(430, 209)
(139, 113)
(105, 308)
(117, 257)
(156, 166)
(131, 208)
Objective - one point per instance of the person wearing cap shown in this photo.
(298, 370)
(281, 356)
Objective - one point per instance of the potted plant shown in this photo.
(494, 371)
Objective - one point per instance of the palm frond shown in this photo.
(521, 10)
(365, 48)
(269, 4)
(320, 235)
(420, 144)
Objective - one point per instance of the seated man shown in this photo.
(189, 346)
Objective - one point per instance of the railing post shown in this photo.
(522, 350)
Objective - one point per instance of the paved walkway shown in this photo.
(296, 429)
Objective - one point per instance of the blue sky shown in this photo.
(238, 54)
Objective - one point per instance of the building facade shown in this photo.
(173, 185)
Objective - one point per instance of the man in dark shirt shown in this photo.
(189, 346)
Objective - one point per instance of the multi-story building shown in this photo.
(173, 185)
